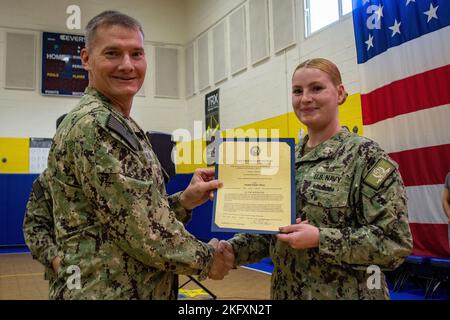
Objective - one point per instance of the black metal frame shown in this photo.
(200, 285)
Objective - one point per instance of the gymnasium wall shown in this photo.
(27, 113)
(254, 93)
(258, 96)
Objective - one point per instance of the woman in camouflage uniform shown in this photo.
(351, 205)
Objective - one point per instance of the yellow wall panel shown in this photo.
(294, 126)
(263, 128)
(190, 155)
(350, 115)
(14, 155)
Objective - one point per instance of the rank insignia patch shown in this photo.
(379, 173)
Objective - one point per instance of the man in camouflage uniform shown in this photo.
(38, 224)
(113, 220)
(352, 192)
(39, 227)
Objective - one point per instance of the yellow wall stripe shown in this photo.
(14, 155)
(350, 115)
(190, 155)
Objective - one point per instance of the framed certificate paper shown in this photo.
(258, 193)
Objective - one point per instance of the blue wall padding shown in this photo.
(200, 225)
(15, 190)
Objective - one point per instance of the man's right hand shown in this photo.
(200, 189)
(223, 260)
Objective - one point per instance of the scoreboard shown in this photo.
(62, 70)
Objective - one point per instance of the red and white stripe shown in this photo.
(410, 87)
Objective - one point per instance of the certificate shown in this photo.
(258, 193)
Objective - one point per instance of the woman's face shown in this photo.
(315, 98)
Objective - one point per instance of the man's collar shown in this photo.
(94, 92)
(107, 102)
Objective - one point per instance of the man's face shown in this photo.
(116, 62)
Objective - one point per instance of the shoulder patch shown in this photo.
(37, 190)
(119, 128)
(379, 173)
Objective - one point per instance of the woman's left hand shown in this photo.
(300, 236)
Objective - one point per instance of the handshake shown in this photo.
(223, 260)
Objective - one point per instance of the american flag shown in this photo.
(403, 49)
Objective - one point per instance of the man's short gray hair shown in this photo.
(109, 18)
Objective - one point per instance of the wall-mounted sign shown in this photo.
(212, 125)
(62, 70)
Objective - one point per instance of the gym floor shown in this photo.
(22, 278)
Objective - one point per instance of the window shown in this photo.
(320, 13)
(346, 6)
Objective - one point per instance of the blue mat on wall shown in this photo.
(15, 190)
(200, 225)
(14, 250)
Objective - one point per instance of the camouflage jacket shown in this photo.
(113, 220)
(39, 227)
(352, 191)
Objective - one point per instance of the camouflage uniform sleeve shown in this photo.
(383, 236)
(38, 226)
(250, 248)
(135, 215)
(181, 213)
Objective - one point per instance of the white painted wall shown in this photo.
(202, 14)
(337, 43)
(257, 93)
(29, 114)
(263, 90)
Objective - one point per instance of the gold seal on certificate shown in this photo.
(258, 193)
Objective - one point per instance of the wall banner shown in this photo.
(212, 125)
